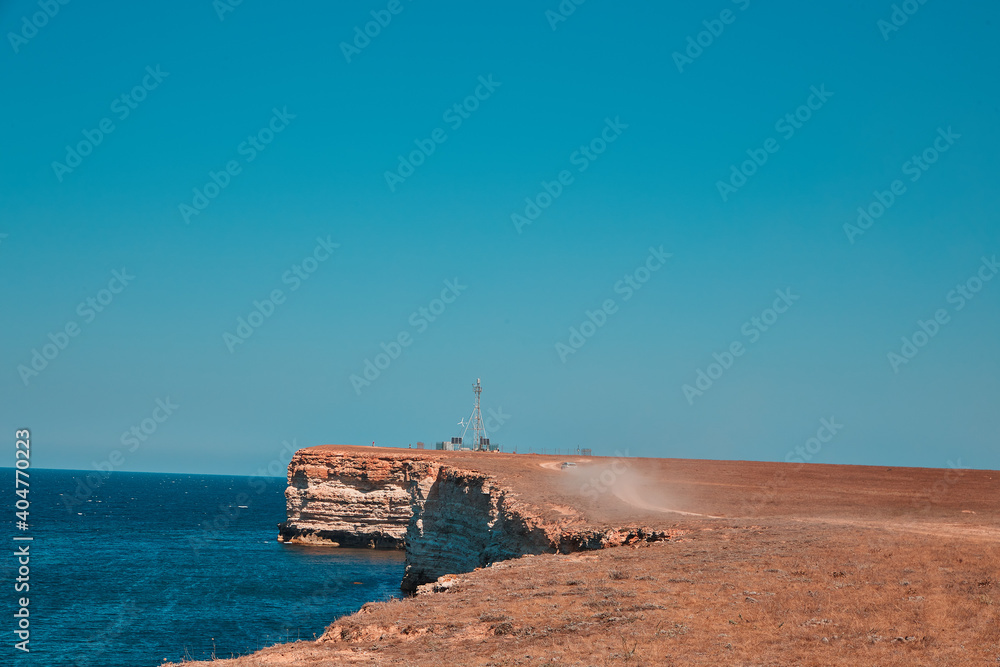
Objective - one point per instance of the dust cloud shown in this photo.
(620, 481)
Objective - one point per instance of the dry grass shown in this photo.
(781, 594)
(837, 565)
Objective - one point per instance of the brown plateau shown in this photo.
(666, 562)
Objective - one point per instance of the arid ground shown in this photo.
(767, 564)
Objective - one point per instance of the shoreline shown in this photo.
(842, 532)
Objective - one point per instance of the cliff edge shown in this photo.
(449, 517)
(812, 564)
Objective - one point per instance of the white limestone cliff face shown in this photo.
(347, 502)
(449, 520)
(464, 520)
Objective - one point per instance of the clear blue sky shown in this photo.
(549, 93)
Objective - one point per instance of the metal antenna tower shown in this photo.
(476, 421)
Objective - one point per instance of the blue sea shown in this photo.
(147, 567)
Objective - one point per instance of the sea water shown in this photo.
(134, 568)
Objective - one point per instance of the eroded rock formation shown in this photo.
(448, 519)
(347, 501)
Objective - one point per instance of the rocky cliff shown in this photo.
(449, 519)
(347, 501)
